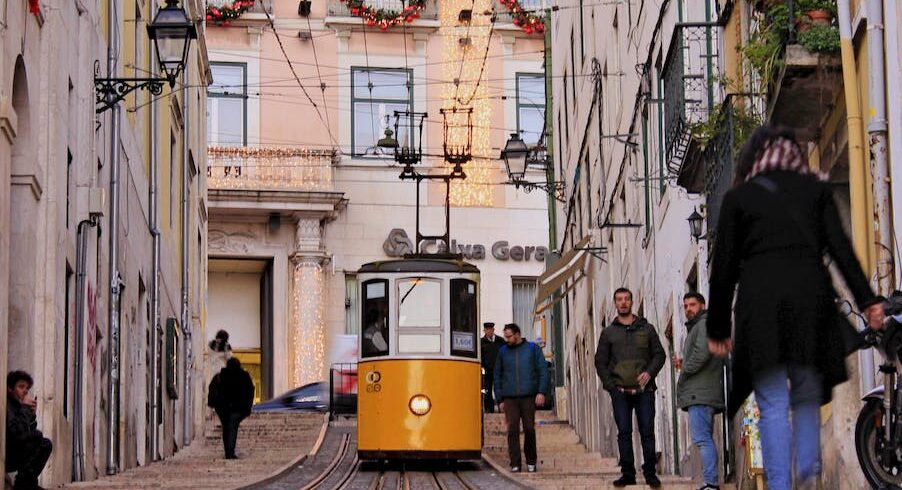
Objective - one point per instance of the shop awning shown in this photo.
(564, 269)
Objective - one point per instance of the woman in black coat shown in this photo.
(775, 225)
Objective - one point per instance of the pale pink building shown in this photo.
(300, 195)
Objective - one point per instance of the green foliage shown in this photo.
(808, 5)
(735, 117)
(820, 39)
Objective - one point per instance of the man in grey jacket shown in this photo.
(700, 387)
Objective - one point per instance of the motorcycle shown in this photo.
(878, 430)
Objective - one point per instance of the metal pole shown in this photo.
(78, 468)
(877, 131)
(185, 314)
(894, 92)
(112, 449)
(154, 218)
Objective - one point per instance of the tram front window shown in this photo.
(419, 316)
(375, 336)
(463, 318)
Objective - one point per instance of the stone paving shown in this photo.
(564, 462)
(266, 444)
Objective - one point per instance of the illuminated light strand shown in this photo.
(463, 62)
(308, 327)
(269, 168)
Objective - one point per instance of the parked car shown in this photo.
(313, 397)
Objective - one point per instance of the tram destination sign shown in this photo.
(398, 244)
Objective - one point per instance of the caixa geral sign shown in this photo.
(398, 244)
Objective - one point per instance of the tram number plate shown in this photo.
(463, 341)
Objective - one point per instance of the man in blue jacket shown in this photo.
(521, 378)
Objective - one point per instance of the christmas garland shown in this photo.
(225, 12)
(385, 18)
(528, 21)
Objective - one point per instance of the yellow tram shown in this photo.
(419, 374)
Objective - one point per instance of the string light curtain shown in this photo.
(269, 168)
(308, 326)
(463, 56)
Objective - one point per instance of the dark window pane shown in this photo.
(463, 318)
(375, 338)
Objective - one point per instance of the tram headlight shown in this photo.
(420, 405)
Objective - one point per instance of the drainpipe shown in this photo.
(81, 252)
(186, 321)
(857, 176)
(877, 131)
(154, 213)
(894, 92)
(112, 449)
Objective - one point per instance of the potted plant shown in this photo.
(820, 12)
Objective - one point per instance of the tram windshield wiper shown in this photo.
(415, 283)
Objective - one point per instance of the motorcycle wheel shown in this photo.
(880, 474)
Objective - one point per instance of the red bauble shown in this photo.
(528, 29)
(215, 12)
(516, 22)
(409, 19)
(371, 22)
(209, 17)
(540, 28)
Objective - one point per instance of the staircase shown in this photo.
(564, 462)
(266, 443)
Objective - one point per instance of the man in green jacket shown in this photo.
(700, 387)
(628, 358)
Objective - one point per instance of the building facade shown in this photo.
(83, 297)
(301, 194)
(648, 116)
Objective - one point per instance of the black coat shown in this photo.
(771, 243)
(232, 391)
(21, 425)
(490, 353)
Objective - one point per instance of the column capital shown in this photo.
(308, 235)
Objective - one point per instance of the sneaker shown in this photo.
(652, 481)
(624, 481)
(530, 468)
(515, 469)
(708, 486)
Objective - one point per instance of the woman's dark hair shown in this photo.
(15, 376)
(233, 363)
(755, 146)
(222, 335)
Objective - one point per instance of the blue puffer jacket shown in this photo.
(520, 370)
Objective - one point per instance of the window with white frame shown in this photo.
(227, 105)
(524, 297)
(376, 93)
(530, 106)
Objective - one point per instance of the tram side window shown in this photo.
(375, 336)
(463, 318)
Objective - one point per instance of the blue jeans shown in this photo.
(776, 390)
(644, 405)
(701, 426)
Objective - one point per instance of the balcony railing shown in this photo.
(688, 86)
(337, 8)
(269, 168)
(504, 16)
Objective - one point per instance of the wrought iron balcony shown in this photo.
(337, 8)
(688, 86)
(247, 168)
(504, 16)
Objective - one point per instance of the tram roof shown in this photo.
(419, 265)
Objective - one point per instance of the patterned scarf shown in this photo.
(783, 154)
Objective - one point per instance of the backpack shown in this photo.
(213, 394)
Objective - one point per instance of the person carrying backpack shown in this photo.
(521, 379)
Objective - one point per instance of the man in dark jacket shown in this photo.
(700, 388)
(489, 345)
(231, 395)
(27, 450)
(628, 358)
(521, 378)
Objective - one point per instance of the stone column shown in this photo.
(307, 327)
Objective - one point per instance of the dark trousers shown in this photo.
(517, 409)
(488, 398)
(230, 422)
(28, 459)
(644, 405)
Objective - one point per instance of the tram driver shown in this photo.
(374, 337)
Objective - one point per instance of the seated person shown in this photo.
(374, 336)
(27, 450)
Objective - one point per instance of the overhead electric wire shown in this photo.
(293, 72)
(322, 85)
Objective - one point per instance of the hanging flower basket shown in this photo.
(385, 18)
(224, 12)
(528, 21)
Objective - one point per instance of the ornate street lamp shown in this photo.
(171, 32)
(517, 156)
(695, 225)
